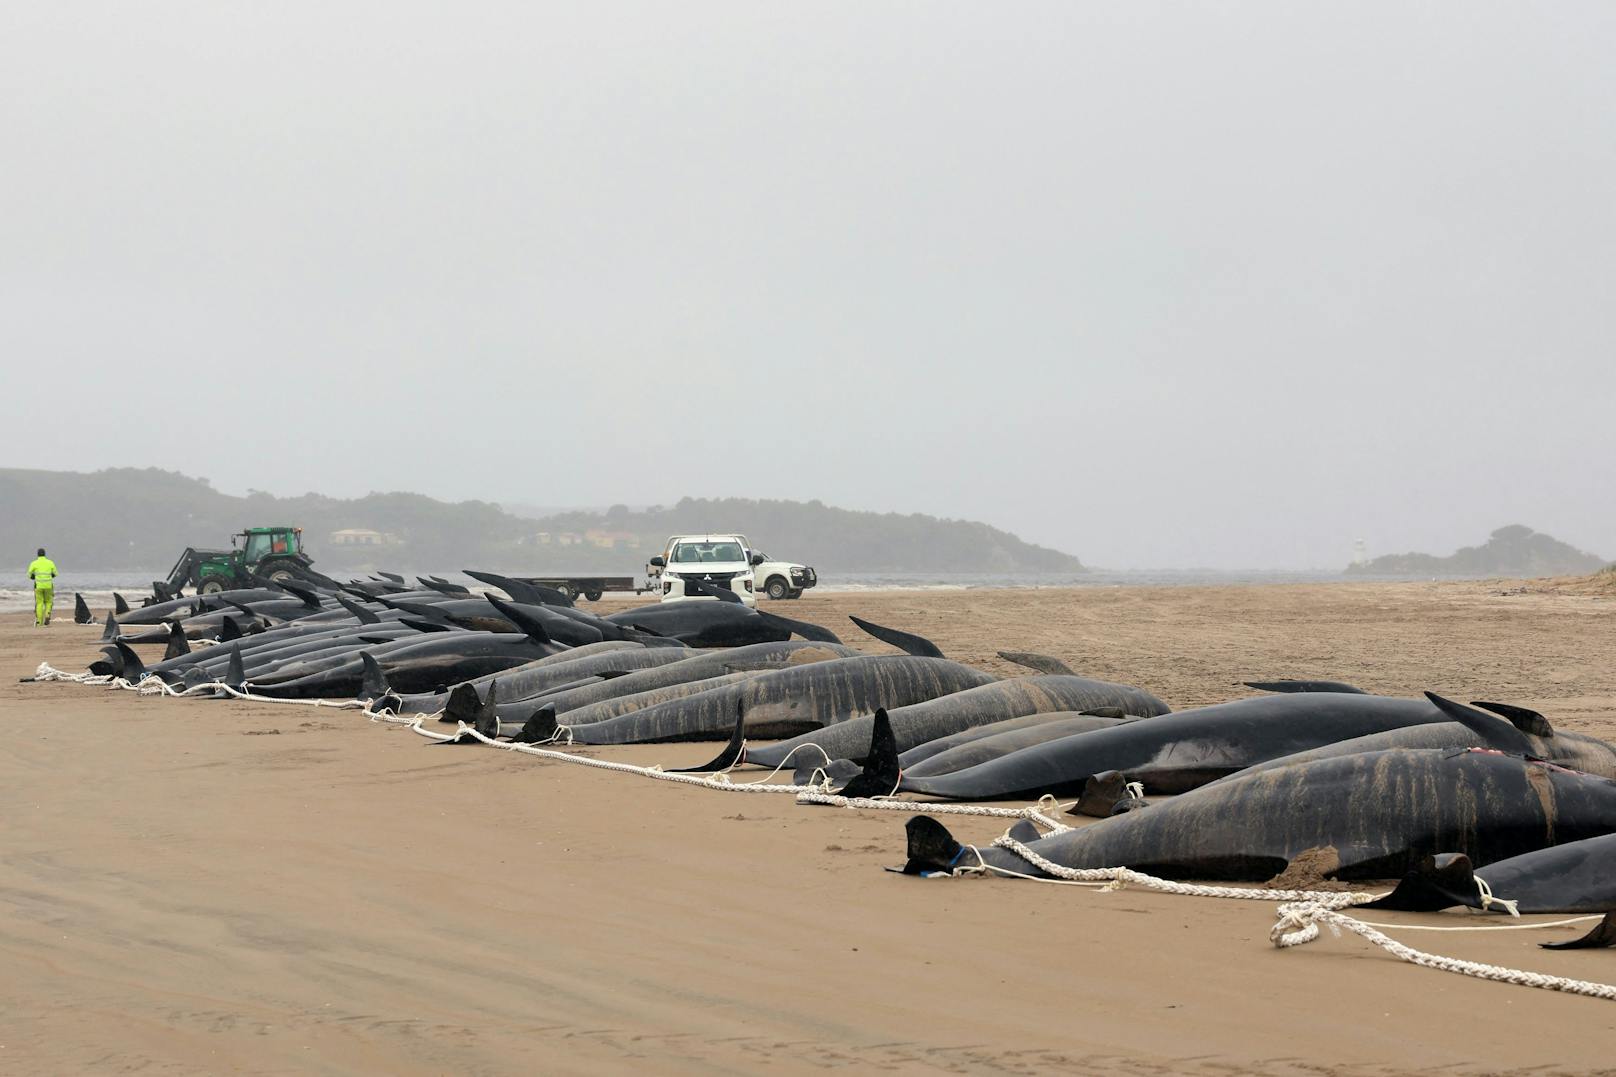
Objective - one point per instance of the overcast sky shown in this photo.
(1161, 285)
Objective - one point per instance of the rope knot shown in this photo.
(1297, 924)
(1488, 899)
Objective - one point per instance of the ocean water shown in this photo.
(97, 587)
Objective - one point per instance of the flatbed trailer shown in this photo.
(590, 587)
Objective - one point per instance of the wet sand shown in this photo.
(192, 886)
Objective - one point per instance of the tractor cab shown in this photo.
(258, 543)
(272, 552)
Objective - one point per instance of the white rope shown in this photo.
(1117, 878)
(152, 685)
(1299, 923)
(1299, 920)
(1483, 927)
(1488, 900)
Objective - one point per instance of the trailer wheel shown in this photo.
(566, 591)
(593, 596)
(777, 588)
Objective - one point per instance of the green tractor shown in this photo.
(272, 552)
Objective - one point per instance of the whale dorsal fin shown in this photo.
(1493, 731)
(811, 632)
(907, 642)
(1306, 686)
(1527, 721)
(309, 599)
(361, 614)
(525, 622)
(1042, 663)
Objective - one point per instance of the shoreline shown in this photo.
(16, 600)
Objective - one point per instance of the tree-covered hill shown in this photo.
(1515, 550)
(140, 519)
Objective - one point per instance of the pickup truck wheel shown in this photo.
(795, 594)
(777, 588)
(593, 596)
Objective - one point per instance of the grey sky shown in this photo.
(1184, 284)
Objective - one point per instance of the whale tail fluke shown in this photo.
(236, 673)
(881, 774)
(1434, 883)
(177, 643)
(1603, 934)
(130, 667)
(907, 642)
(540, 727)
(462, 704)
(1100, 795)
(734, 753)
(373, 685)
(486, 720)
(931, 847)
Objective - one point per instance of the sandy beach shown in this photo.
(196, 886)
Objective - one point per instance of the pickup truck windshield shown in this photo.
(690, 553)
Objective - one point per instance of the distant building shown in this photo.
(359, 536)
(611, 540)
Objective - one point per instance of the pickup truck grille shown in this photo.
(717, 579)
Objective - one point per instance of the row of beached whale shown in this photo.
(1428, 789)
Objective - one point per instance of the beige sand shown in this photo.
(192, 886)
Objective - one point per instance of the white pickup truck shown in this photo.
(782, 579)
(720, 560)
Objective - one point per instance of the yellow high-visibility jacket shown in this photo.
(43, 573)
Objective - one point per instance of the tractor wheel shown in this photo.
(280, 573)
(777, 588)
(593, 596)
(212, 586)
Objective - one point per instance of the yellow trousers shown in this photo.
(44, 599)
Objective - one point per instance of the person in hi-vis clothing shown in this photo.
(43, 573)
